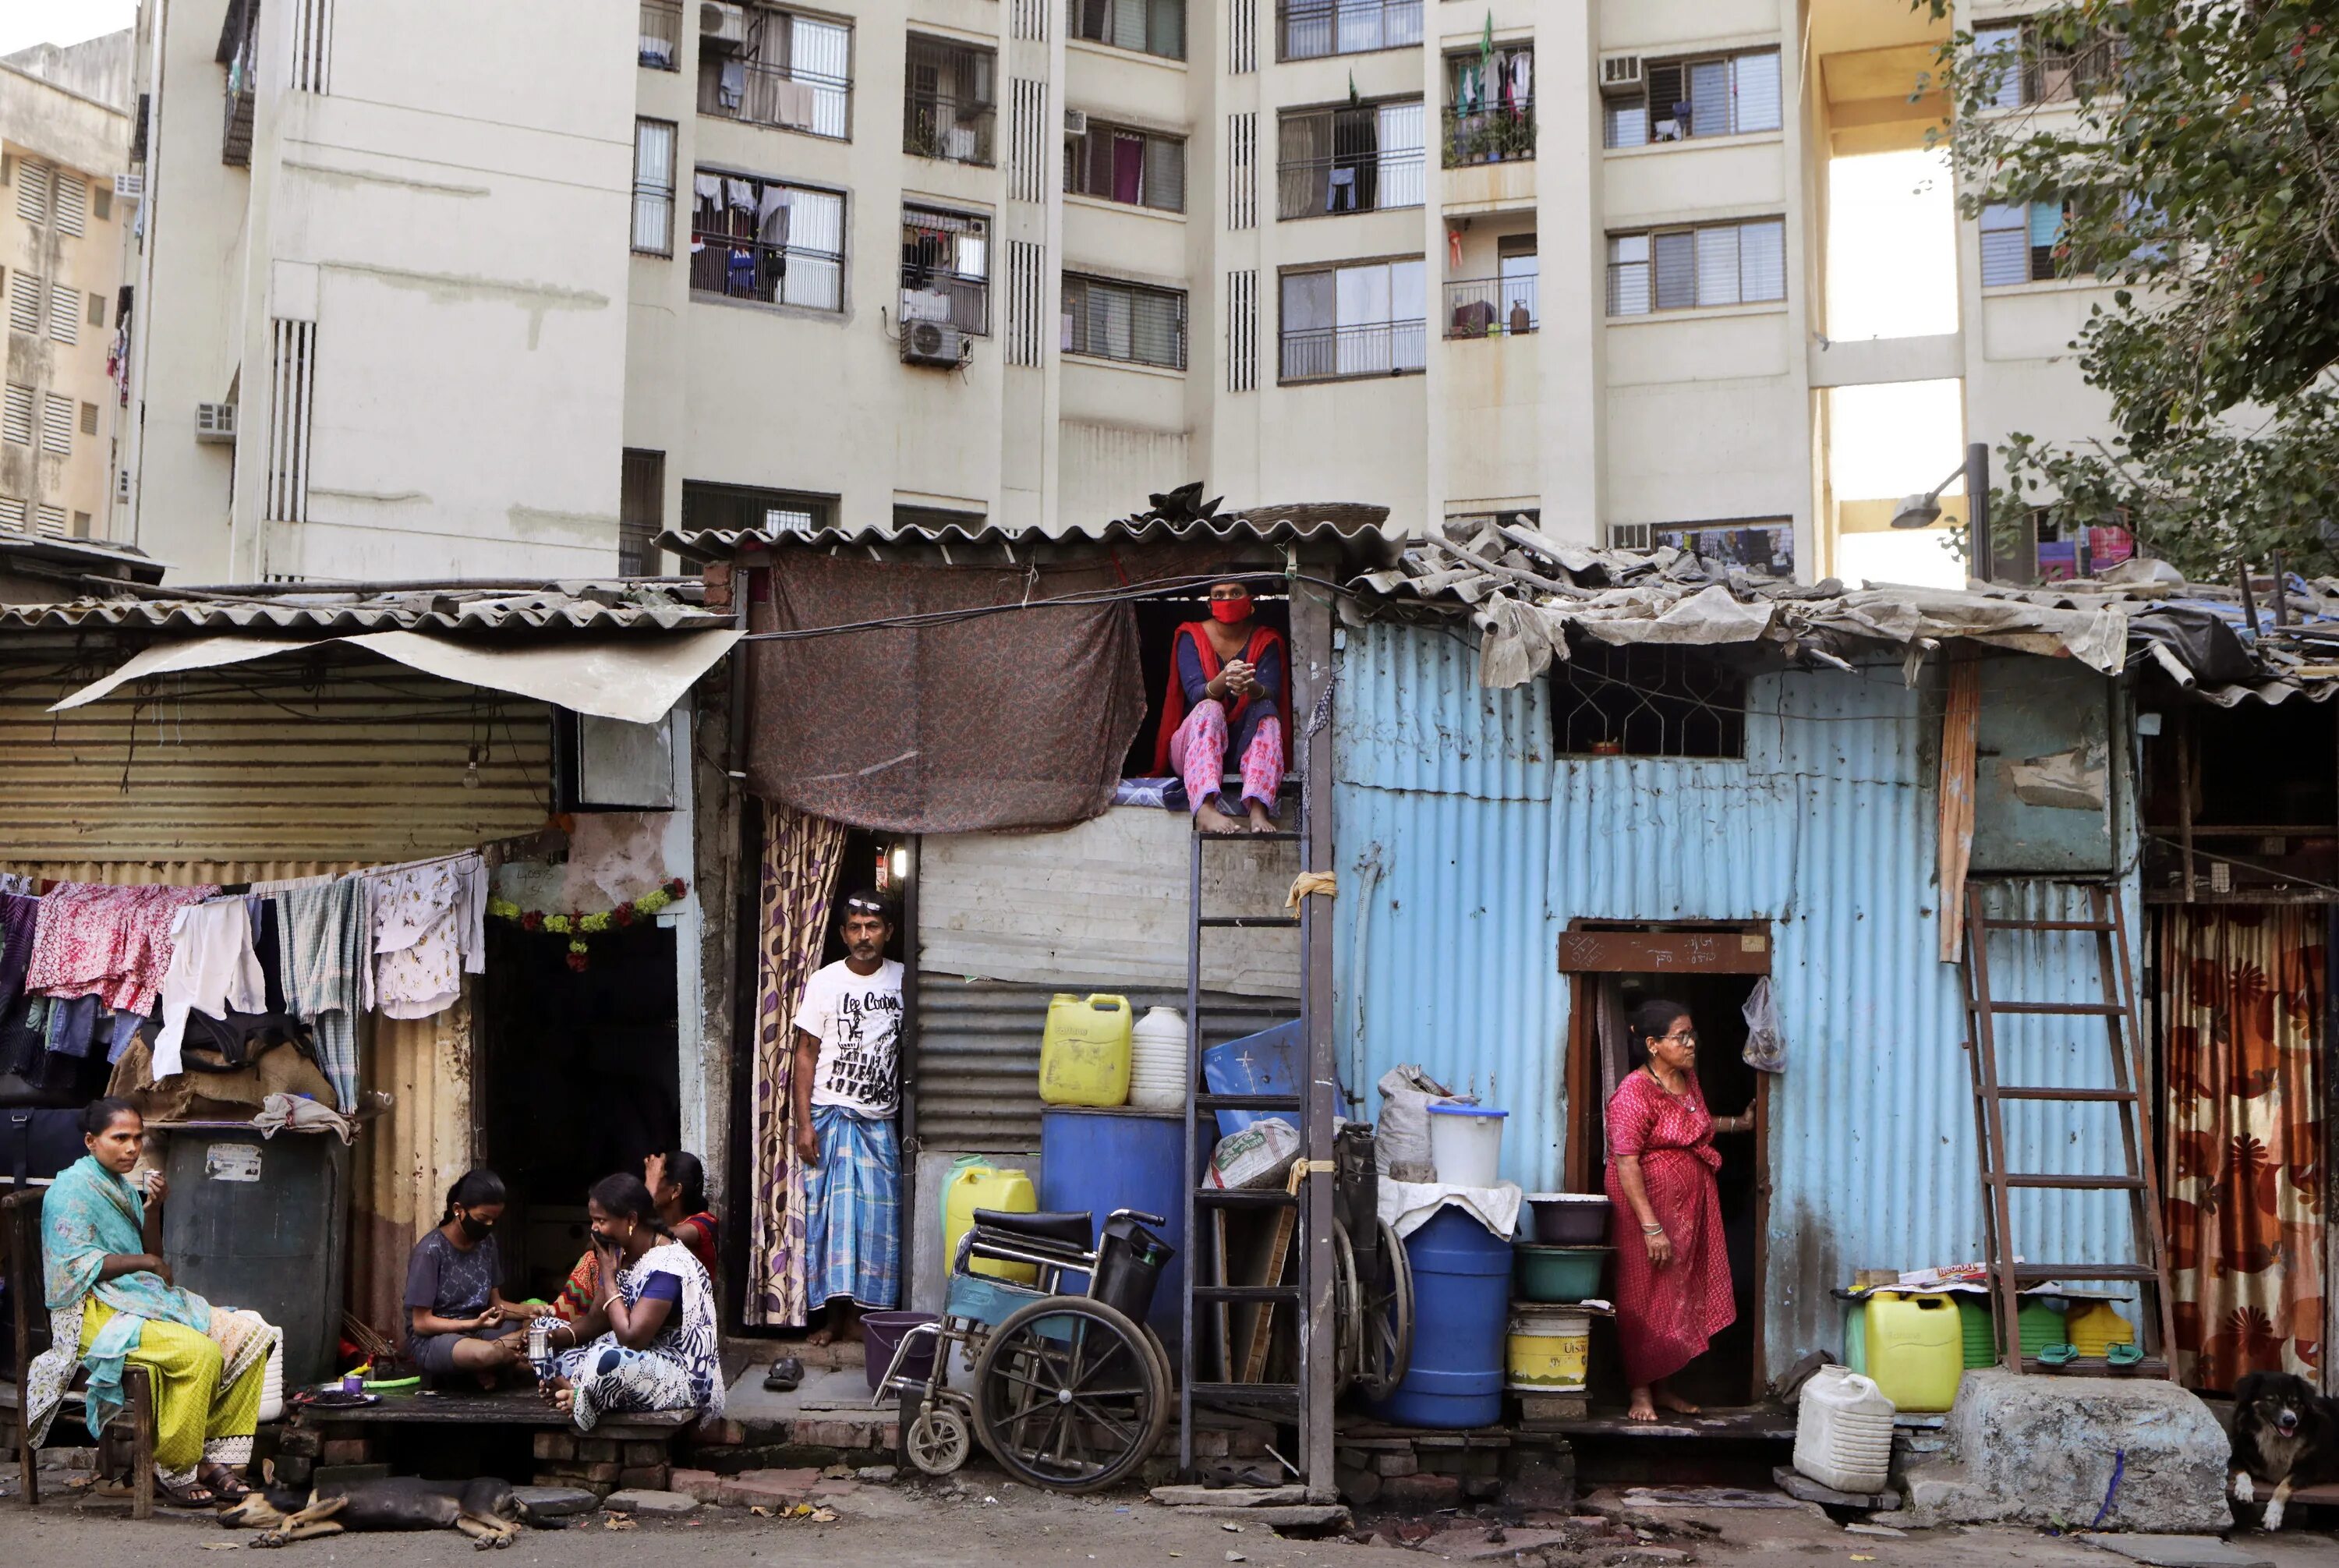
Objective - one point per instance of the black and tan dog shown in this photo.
(2285, 1435)
(484, 1509)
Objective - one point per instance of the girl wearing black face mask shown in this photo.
(457, 1318)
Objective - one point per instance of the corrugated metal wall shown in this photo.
(335, 758)
(1464, 849)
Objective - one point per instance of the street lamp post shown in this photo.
(1922, 511)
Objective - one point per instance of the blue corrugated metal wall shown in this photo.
(1465, 848)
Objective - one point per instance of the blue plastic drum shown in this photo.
(1460, 1314)
(1100, 1160)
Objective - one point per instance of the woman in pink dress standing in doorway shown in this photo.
(1672, 1270)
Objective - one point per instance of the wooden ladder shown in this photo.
(2107, 925)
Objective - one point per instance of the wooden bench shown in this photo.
(20, 1216)
(633, 1449)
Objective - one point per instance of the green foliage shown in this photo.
(2201, 139)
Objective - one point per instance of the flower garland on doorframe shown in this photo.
(576, 925)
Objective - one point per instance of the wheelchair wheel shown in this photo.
(934, 1442)
(1070, 1395)
(1384, 1310)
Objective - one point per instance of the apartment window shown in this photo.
(1361, 159)
(1363, 320)
(653, 187)
(32, 193)
(17, 415)
(1312, 29)
(24, 297)
(1646, 701)
(98, 309)
(661, 48)
(641, 502)
(946, 268)
(56, 424)
(1504, 303)
(1764, 545)
(754, 239)
(1489, 106)
(2045, 63)
(751, 509)
(69, 205)
(949, 103)
(64, 313)
(1126, 322)
(1686, 269)
(1716, 95)
(89, 419)
(1137, 168)
(2030, 242)
(1150, 26)
(791, 72)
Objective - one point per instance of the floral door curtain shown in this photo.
(802, 854)
(2243, 992)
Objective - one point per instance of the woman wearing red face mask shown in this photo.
(1229, 676)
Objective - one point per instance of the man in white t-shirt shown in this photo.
(843, 1092)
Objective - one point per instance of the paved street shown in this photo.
(989, 1520)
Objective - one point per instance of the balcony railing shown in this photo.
(963, 303)
(1503, 134)
(759, 94)
(1333, 353)
(1489, 306)
(745, 269)
(661, 47)
(1313, 29)
(956, 129)
(1348, 182)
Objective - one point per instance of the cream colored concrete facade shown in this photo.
(441, 214)
(61, 253)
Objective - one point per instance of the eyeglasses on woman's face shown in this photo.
(1678, 1037)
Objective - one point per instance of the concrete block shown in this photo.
(1403, 1464)
(643, 1453)
(1211, 1444)
(1422, 1492)
(2180, 1551)
(704, 1484)
(556, 1445)
(346, 1451)
(603, 1474)
(644, 1500)
(1540, 1480)
(555, 1502)
(719, 1435)
(768, 1487)
(599, 1450)
(2028, 1449)
(1361, 1485)
(1228, 1496)
(644, 1477)
(301, 1441)
(835, 1434)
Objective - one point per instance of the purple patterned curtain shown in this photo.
(800, 856)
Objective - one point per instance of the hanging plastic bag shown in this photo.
(1766, 1042)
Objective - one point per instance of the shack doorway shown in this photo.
(1712, 972)
(579, 1080)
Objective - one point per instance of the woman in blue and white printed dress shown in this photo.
(649, 1341)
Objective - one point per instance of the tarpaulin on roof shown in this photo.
(634, 678)
(993, 721)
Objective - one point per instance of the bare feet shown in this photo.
(824, 1335)
(1210, 819)
(1640, 1409)
(1667, 1399)
(1260, 821)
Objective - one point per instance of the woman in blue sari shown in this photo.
(112, 1304)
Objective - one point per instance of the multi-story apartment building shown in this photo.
(64, 143)
(503, 290)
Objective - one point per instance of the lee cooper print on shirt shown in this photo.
(857, 1018)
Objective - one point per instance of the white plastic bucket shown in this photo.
(1465, 1144)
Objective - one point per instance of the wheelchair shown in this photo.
(1067, 1392)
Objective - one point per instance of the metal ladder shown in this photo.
(2108, 925)
(1278, 1402)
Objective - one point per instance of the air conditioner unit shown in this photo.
(1076, 122)
(932, 344)
(215, 422)
(720, 23)
(130, 187)
(1620, 74)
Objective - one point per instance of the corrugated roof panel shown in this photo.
(1344, 522)
(1826, 830)
(586, 607)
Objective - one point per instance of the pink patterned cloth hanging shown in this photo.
(802, 854)
(110, 942)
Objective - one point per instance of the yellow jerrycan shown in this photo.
(1084, 1052)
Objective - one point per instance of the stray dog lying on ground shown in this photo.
(2285, 1435)
(484, 1509)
